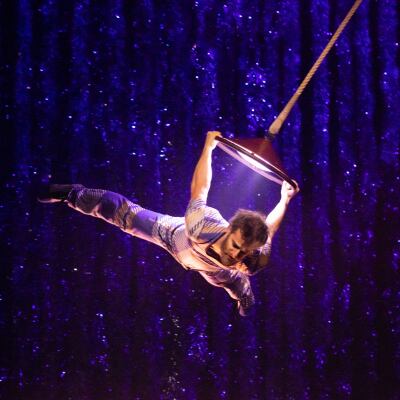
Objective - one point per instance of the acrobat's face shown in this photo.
(234, 249)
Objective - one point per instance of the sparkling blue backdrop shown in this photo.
(119, 95)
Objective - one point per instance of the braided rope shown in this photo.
(280, 119)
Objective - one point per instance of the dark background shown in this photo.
(119, 95)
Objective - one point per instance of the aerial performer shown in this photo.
(225, 253)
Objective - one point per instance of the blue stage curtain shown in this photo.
(119, 95)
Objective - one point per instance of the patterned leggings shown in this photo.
(130, 217)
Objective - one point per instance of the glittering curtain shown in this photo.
(119, 95)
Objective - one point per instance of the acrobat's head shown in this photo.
(247, 232)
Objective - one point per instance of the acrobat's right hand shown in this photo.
(210, 140)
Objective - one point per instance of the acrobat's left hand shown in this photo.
(288, 191)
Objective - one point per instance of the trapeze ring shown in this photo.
(257, 154)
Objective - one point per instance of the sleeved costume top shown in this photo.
(189, 240)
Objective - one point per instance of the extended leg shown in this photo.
(109, 206)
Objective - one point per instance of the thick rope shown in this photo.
(280, 119)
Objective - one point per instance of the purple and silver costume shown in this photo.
(185, 238)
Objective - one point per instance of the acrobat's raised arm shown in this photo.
(275, 217)
(202, 175)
